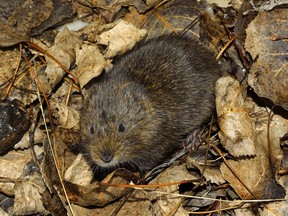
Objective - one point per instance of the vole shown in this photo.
(137, 114)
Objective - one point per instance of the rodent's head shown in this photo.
(119, 127)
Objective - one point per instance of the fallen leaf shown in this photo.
(121, 38)
(67, 116)
(221, 3)
(90, 63)
(267, 4)
(259, 173)
(165, 204)
(11, 167)
(79, 172)
(64, 51)
(28, 199)
(268, 75)
(236, 131)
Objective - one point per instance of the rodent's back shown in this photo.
(138, 113)
(178, 74)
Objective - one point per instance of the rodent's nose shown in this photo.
(106, 156)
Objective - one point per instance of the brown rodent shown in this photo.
(137, 114)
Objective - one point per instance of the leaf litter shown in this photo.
(239, 160)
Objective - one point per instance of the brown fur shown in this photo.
(159, 91)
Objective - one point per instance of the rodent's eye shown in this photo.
(121, 128)
(92, 131)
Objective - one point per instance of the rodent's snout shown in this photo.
(106, 156)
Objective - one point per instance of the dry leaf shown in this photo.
(133, 17)
(100, 195)
(3, 213)
(11, 167)
(21, 19)
(18, 18)
(121, 38)
(83, 211)
(212, 174)
(258, 173)
(110, 8)
(138, 204)
(266, 4)
(170, 205)
(63, 141)
(8, 65)
(28, 199)
(39, 136)
(268, 75)
(90, 63)
(220, 3)
(174, 17)
(93, 29)
(67, 116)
(243, 212)
(206, 196)
(236, 4)
(153, 2)
(142, 202)
(236, 134)
(275, 208)
(79, 172)
(210, 169)
(64, 51)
